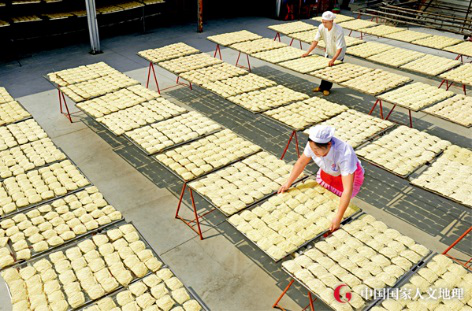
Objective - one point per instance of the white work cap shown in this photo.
(328, 15)
(321, 134)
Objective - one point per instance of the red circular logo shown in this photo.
(342, 298)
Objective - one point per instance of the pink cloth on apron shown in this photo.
(335, 183)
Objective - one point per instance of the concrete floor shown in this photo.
(225, 270)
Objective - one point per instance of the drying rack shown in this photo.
(370, 304)
(197, 218)
(312, 240)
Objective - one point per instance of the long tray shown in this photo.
(113, 294)
(405, 176)
(173, 146)
(28, 207)
(249, 205)
(434, 191)
(207, 173)
(41, 166)
(108, 129)
(179, 73)
(35, 255)
(444, 118)
(370, 303)
(413, 271)
(88, 300)
(17, 121)
(318, 236)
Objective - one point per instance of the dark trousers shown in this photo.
(325, 85)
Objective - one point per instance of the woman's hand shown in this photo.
(335, 223)
(284, 187)
(306, 54)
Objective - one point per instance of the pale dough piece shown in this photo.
(124, 297)
(173, 283)
(180, 295)
(138, 288)
(165, 303)
(76, 299)
(159, 291)
(106, 304)
(192, 305)
(145, 300)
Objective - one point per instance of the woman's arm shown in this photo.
(348, 183)
(298, 168)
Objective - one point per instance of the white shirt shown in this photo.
(340, 160)
(334, 40)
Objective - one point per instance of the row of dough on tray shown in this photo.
(229, 38)
(288, 220)
(450, 175)
(53, 224)
(20, 133)
(238, 85)
(17, 160)
(355, 127)
(84, 271)
(213, 73)
(149, 112)
(207, 154)
(5, 97)
(416, 96)
(258, 45)
(439, 273)
(168, 52)
(82, 73)
(97, 87)
(418, 38)
(12, 112)
(363, 254)
(457, 109)
(292, 27)
(376, 81)
(188, 63)
(185, 127)
(118, 100)
(307, 64)
(303, 114)
(341, 72)
(158, 291)
(235, 187)
(403, 150)
(268, 98)
(308, 37)
(39, 185)
(461, 74)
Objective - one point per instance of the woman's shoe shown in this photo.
(325, 93)
(317, 89)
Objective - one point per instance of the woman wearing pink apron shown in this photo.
(340, 171)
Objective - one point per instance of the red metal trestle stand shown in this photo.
(62, 98)
(294, 134)
(218, 51)
(467, 263)
(241, 66)
(189, 223)
(310, 298)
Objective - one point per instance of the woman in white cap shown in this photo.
(333, 36)
(340, 171)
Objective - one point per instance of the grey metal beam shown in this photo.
(93, 27)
